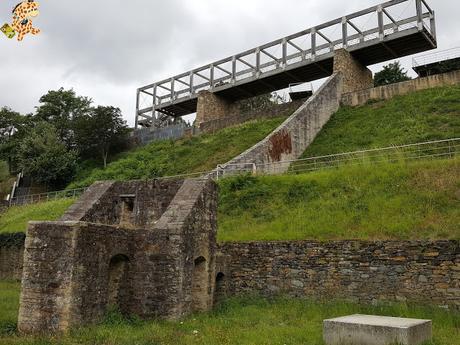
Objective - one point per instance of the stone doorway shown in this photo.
(118, 284)
(200, 285)
(220, 290)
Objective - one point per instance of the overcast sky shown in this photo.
(106, 49)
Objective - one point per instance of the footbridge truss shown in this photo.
(380, 33)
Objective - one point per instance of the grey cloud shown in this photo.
(107, 48)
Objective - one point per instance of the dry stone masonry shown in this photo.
(418, 271)
(147, 248)
(355, 76)
(11, 256)
(362, 96)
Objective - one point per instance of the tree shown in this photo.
(44, 157)
(391, 73)
(60, 108)
(100, 132)
(13, 127)
(261, 101)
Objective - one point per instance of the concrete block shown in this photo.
(375, 330)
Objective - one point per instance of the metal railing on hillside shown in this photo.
(42, 197)
(446, 149)
(439, 149)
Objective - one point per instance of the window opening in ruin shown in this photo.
(199, 285)
(127, 209)
(118, 285)
(220, 288)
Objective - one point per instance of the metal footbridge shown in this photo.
(380, 33)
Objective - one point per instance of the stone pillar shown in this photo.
(211, 107)
(356, 77)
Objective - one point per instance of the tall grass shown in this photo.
(421, 116)
(165, 158)
(9, 305)
(414, 200)
(15, 219)
(240, 320)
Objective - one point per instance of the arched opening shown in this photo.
(118, 285)
(220, 290)
(199, 285)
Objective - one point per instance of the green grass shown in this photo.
(417, 117)
(15, 219)
(243, 320)
(165, 158)
(9, 305)
(417, 200)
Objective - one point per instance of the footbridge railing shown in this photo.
(372, 26)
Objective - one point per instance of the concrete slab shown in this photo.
(375, 330)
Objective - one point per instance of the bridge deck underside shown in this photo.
(400, 44)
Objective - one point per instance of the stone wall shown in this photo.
(398, 89)
(153, 256)
(291, 138)
(106, 202)
(211, 107)
(11, 256)
(275, 110)
(418, 271)
(355, 75)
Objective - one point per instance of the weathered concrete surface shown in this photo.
(375, 330)
(11, 256)
(361, 271)
(399, 89)
(291, 138)
(355, 76)
(146, 247)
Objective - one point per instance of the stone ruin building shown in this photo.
(147, 248)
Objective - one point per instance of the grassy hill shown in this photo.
(15, 219)
(242, 320)
(363, 202)
(417, 117)
(417, 200)
(420, 116)
(197, 154)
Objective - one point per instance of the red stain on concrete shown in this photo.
(280, 143)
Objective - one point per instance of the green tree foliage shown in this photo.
(13, 127)
(390, 74)
(100, 132)
(44, 157)
(259, 102)
(60, 108)
(65, 131)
